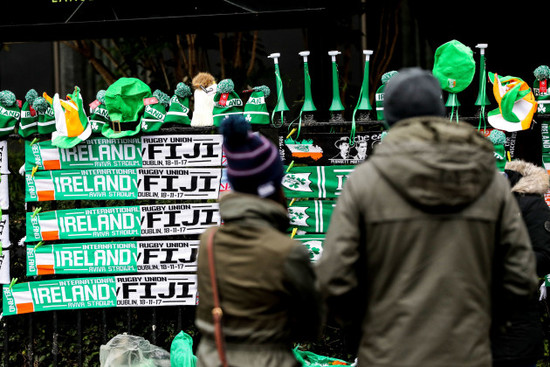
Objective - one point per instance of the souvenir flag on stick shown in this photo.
(281, 104)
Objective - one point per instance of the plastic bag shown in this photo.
(132, 351)
(181, 351)
(314, 360)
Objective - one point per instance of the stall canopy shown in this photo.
(46, 20)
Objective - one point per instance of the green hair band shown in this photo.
(265, 89)
(497, 137)
(40, 104)
(225, 86)
(31, 96)
(7, 98)
(163, 98)
(182, 90)
(542, 72)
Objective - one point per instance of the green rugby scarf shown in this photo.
(315, 182)
(100, 292)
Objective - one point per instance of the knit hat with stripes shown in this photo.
(254, 165)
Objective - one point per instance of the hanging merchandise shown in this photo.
(516, 104)
(4, 192)
(147, 151)
(379, 96)
(318, 182)
(454, 67)
(281, 106)
(154, 112)
(255, 109)
(314, 244)
(205, 89)
(308, 105)
(121, 221)
(4, 230)
(178, 110)
(28, 123)
(5, 277)
(99, 115)
(124, 100)
(482, 99)
(101, 292)
(46, 115)
(540, 88)
(112, 257)
(307, 358)
(10, 112)
(498, 138)
(123, 184)
(336, 107)
(71, 122)
(226, 101)
(363, 102)
(181, 351)
(311, 216)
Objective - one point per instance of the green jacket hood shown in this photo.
(434, 163)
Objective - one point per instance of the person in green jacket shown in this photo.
(425, 238)
(265, 279)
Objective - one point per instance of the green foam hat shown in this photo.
(454, 66)
(124, 101)
(10, 112)
(178, 111)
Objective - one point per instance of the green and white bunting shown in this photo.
(319, 182)
(311, 216)
(113, 257)
(314, 244)
(148, 151)
(123, 221)
(123, 184)
(103, 292)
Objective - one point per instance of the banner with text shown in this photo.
(4, 169)
(201, 150)
(4, 192)
(123, 221)
(113, 257)
(104, 292)
(311, 216)
(319, 182)
(124, 184)
(5, 231)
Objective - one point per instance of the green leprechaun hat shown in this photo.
(124, 101)
(28, 124)
(454, 67)
(178, 112)
(71, 122)
(99, 115)
(46, 116)
(226, 101)
(540, 88)
(155, 111)
(10, 112)
(379, 96)
(498, 138)
(255, 109)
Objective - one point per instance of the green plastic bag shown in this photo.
(307, 358)
(181, 351)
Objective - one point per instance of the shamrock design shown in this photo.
(294, 182)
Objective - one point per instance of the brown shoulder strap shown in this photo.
(217, 312)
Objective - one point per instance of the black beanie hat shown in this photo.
(412, 92)
(254, 165)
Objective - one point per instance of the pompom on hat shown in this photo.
(254, 165)
(28, 123)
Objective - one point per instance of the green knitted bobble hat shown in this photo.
(9, 112)
(178, 112)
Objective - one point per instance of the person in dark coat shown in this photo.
(520, 342)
